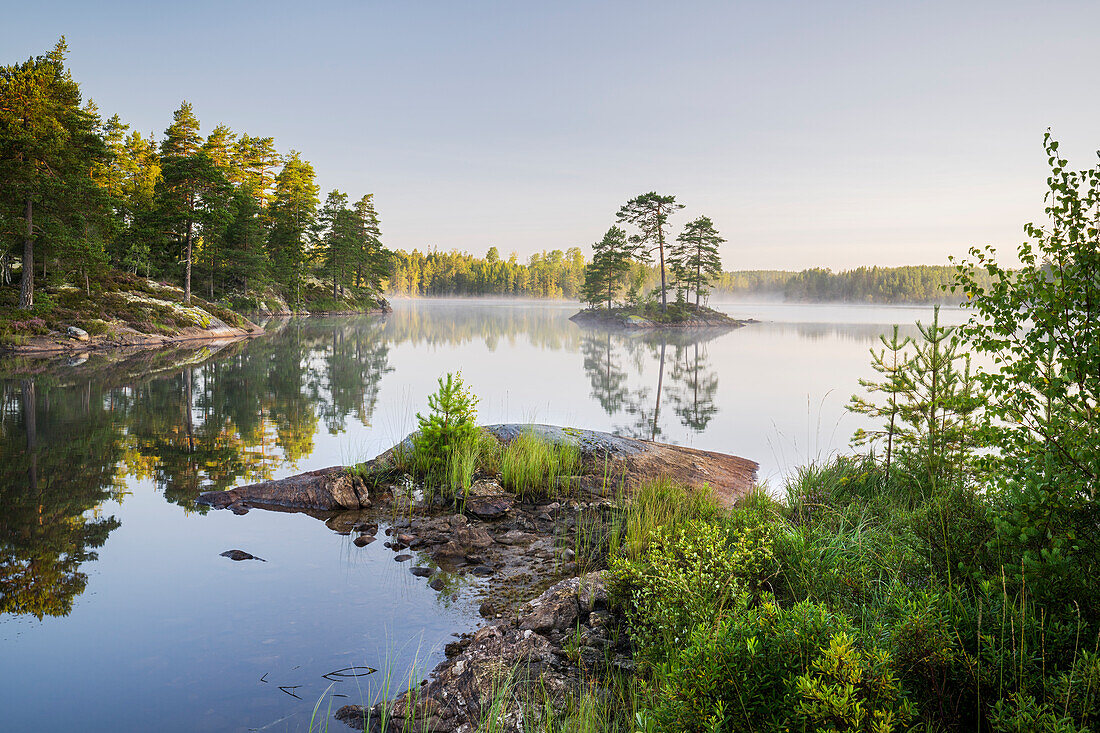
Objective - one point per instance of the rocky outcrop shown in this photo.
(328, 489)
(613, 464)
(507, 661)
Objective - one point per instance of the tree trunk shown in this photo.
(661, 247)
(187, 275)
(26, 284)
(698, 282)
(30, 417)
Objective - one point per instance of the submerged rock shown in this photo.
(238, 555)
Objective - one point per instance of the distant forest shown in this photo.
(558, 274)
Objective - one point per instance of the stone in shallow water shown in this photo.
(238, 555)
(489, 507)
(421, 572)
(363, 540)
(403, 558)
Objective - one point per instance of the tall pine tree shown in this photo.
(649, 212)
(48, 146)
(694, 257)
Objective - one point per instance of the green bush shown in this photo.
(738, 672)
(688, 577)
(850, 689)
(95, 327)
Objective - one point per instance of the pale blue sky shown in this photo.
(814, 133)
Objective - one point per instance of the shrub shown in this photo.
(95, 327)
(688, 577)
(850, 689)
(739, 672)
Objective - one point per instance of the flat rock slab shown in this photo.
(327, 489)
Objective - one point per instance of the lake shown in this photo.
(117, 610)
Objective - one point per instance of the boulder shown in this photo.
(562, 604)
(78, 334)
(329, 489)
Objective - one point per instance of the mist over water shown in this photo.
(114, 595)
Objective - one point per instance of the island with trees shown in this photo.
(689, 264)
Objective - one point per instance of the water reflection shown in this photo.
(58, 454)
(690, 389)
(75, 434)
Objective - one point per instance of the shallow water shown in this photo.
(118, 611)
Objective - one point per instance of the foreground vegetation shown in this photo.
(943, 579)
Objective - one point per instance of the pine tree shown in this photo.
(649, 212)
(292, 214)
(48, 145)
(373, 261)
(694, 258)
(246, 262)
(336, 236)
(192, 191)
(610, 262)
(253, 160)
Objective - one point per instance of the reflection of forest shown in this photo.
(192, 420)
(684, 382)
(69, 441)
(429, 322)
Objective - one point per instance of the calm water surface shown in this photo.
(116, 610)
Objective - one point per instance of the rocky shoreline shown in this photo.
(545, 610)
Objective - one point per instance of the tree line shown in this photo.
(907, 284)
(553, 274)
(226, 213)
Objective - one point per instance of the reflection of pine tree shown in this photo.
(604, 373)
(695, 388)
(647, 422)
(58, 450)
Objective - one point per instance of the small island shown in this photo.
(650, 315)
(617, 275)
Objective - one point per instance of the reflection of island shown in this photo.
(688, 383)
